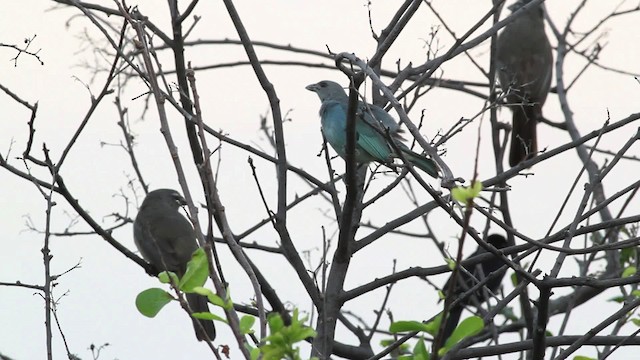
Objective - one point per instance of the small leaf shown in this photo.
(165, 275)
(303, 333)
(213, 298)
(514, 279)
(618, 299)
(403, 348)
(434, 325)
(203, 291)
(280, 343)
(468, 327)
(151, 301)
(255, 353)
(627, 255)
(450, 263)
(404, 326)
(636, 293)
(197, 271)
(275, 323)
(246, 322)
(465, 194)
(580, 357)
(420, 351)
(629, 271)
(205, 315)
(386, 342)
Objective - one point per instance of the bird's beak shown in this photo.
(312, 87)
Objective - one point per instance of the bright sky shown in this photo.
(96, 300)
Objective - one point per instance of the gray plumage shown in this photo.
(166, 239)
(525, 62)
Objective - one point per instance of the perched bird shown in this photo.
(371, 125)
(465, 282)
(525, 61)
(166, 239)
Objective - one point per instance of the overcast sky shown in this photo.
(97, 300)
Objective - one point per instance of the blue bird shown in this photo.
(371, 124)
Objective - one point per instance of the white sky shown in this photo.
(98, 306)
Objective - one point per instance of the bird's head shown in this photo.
(535, 12)
(167, 196)
(498, 241)
(328, 90)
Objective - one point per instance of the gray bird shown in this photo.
(166, 239)
(525, 63)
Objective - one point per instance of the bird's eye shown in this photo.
(323, 84)
(177, 197)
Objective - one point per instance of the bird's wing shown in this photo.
(371, 141)
(376, 116)
(172, 240)
(368, 141)
(381, 120)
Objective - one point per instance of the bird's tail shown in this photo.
(452, 321)
(199, 303)
(524, 143)
(423, 163)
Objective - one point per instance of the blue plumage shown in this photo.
(371, 123)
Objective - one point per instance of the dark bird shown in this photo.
(465, 282)
(525, 61)
(166, 239)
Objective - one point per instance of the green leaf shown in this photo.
(636, 322)
(204, 291)
(465, 194)
(165, 275)
(255, 353)
(387, 342)
(205, 315)
(405, 326)
(280, 343)
(618, 299)
(468, 327)
(420, 351)
(246, 323)
(629, 271)
(213, 298)
(403, 348)
(197, 271)
(275, 323)
(450, 263)
(636, 293)
(627, 255)
(151, 301)
(514, 279)
(434, 325)
(580, 357)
